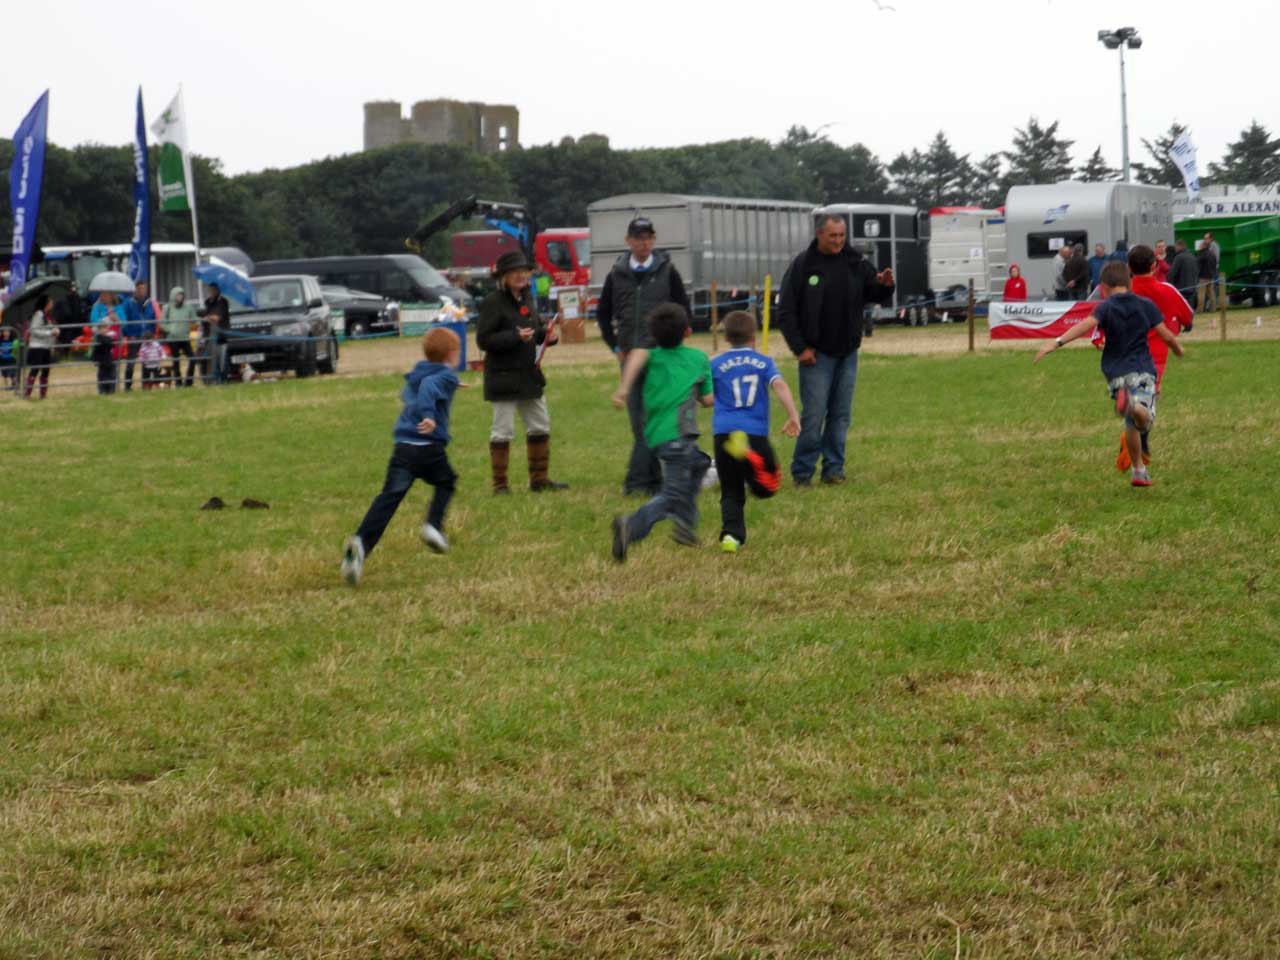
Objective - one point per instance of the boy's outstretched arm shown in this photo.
(636, 360)
(1168, 336)
(1082, 328)
(792, 427)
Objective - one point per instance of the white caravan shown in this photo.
(1041, 218)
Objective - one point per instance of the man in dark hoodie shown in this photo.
(421, 434)
(823, 293)
(641, 279)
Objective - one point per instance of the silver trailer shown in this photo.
(890, 235)
(733, 241)
(958, 242)
(1042, 218)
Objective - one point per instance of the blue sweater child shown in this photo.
(421, 434)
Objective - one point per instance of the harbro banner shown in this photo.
(25, 178)
(1034, 319)
(140, 251)
(177, 191)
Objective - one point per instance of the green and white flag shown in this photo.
(177, 189)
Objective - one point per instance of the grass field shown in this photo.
(986, 700)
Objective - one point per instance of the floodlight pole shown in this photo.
(1124, 120)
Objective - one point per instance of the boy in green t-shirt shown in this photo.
(677, 381)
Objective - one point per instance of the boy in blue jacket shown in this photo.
(420, 434)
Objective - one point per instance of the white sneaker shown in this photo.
(352, 560)
(434, 539)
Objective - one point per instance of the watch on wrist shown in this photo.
(1057, 341)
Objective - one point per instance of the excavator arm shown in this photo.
(513, 219)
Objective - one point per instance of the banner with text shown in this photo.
(1035, 319)
(140, 250)
(25, 178)
(1183, 156)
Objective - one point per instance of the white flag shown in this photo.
(1183, 156)
(177, 188)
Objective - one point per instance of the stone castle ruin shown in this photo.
(486, 127)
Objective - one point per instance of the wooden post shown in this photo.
(1222, 307)
(768, 309)
(969, 311)
(715, 318)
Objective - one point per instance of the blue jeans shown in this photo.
(644, 472)
(683, 467)
(826, 407)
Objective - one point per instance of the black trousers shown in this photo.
(409, 462)
(130, 357)
(178, 348)
(758, 471)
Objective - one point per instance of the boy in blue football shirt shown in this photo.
(740, 423)
(1126, 320)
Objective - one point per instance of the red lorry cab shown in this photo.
(564, 253)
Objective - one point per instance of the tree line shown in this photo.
(369, 202)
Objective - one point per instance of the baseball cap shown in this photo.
(640, 225)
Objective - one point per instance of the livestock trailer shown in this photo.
(894, 236)
(732, 241)
(958, 241)
(1041, 218)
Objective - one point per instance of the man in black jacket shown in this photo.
(1076, 274)
(823, 293)
(1183, 271)
(640, 280)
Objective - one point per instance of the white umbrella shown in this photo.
(111, 281)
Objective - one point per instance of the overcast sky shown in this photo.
(272, 84)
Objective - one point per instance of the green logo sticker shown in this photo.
(813, 280)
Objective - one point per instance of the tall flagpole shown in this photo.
(191, 191)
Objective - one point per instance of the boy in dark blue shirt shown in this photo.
(421, 433)
(1126, 320)
(744, 457)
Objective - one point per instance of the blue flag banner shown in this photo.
(140, 252)
(25, 178)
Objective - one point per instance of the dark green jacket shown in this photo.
(510, 372)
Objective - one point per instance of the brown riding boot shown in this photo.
(539, 449)
(499, 454)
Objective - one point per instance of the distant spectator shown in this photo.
(140, 316)
(68, 314)
(42, 336)
(1060, 265)
(176, 320)
(1184, 271)
(1217, 266)
(1213, 246)
(1095, 264)
(9, 357)
(106, 337)
(217, 319)
(1121, 253)
(1015, 288)
(152, 356)
(1076, 274)
(1162, 262)
(1207, 275)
